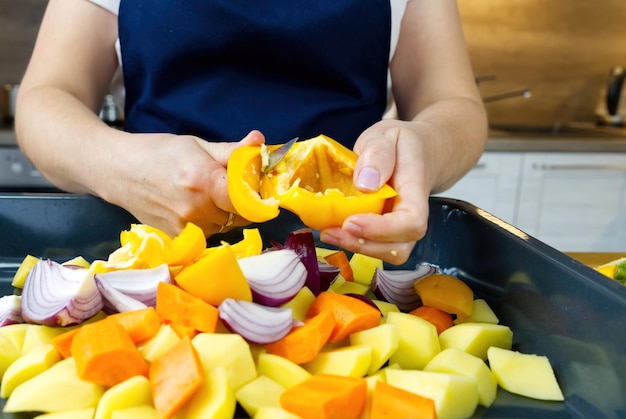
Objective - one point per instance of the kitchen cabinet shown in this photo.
(492, 185)
(572, 201)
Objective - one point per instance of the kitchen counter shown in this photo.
(541, 143)
(594, 259)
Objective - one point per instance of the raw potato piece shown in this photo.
(481, 313)
(47, 392)
(260, 392)
(281, 370)
(455, 396)
(418, 342)
(455, 361)
(476, 338)
(383, 339)
(130, 393)
(351, 361)
(28, 366)
(524, 374)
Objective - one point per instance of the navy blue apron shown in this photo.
(220, 68)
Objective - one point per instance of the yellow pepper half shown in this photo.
(314, 181)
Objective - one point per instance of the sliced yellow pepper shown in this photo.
(314, 181)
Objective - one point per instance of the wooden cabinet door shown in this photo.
(492, 184)
(575, 201)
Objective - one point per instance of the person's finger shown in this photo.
(392, 252)
(377, 159)
(221, 151)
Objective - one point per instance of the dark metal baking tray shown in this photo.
(555, 305)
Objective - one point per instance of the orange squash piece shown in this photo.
(303, 343)
(105, 354)
(340, 260)
(350, 314)
(439, 318)
(389, 402)
(139, 324)
(175, 305)
(446, 293)
(325, 396)
(175, 377)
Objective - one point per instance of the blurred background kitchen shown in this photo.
(555, 163)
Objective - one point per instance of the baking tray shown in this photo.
(555, 305)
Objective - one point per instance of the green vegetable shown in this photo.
(620, 272)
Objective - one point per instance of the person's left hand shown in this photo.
(393, 152)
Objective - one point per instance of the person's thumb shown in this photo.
(221, 152)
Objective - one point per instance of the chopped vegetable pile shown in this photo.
(170, 328)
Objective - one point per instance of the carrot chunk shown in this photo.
(325, 396)
(175, 305)
(350, 314)
(175, 377)
(63, 342)
(304, 342)
(439, 318)
(105, 354)
(389, 402)
(139, 324)
(340, 260)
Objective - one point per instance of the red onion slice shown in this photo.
(396, 286)
(303, 243)
(116, 301)
(10, 310)
(256, 323)
(328, 274)
(275, 277)
(56, 295)
(138, 284)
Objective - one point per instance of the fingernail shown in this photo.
(368, 179)
(353, 229)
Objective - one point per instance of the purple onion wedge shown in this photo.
(256, 323)
(55, 295)
(138, 284)
(396, 286)
(10, 310)
(303, 243)
(275, 277)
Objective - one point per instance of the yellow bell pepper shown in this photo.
(314, 181)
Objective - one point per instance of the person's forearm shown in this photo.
(457, 135)
(65, 140)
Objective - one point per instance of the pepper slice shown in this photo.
(244, 179)
(314, 181)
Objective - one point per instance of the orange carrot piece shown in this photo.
(105, 354)
(439, 318)
(175, 377)
(139, 324)
(351, 314)
(325, 396)
(63, 342)
(178, 306)
(389, 402)
(304, 342)
(340, 260)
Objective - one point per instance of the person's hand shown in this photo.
(172, 180)
(394, 152)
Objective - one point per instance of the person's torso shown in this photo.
(218, 69)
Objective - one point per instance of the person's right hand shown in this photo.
(167, 180)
